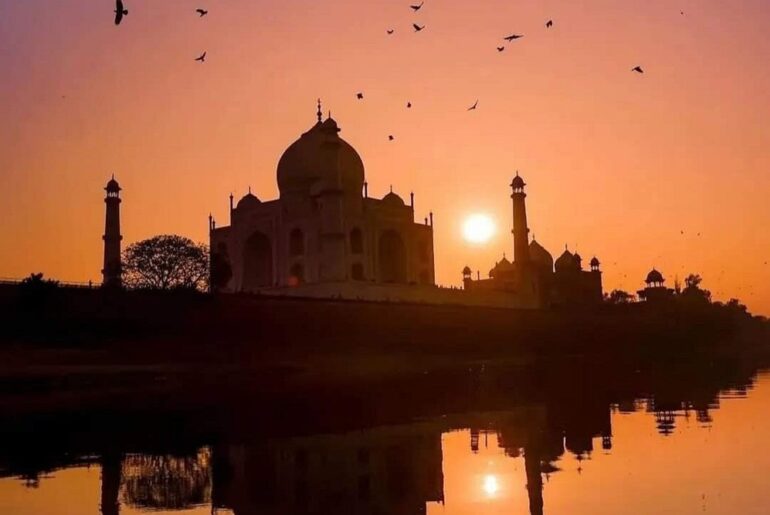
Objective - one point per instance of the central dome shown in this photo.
(318, 155)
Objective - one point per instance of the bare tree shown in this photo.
(166, 262)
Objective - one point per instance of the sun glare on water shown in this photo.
(491, 485)
(478, 228)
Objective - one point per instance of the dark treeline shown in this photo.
(71, 346)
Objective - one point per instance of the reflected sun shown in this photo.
(478, 228)
(490, 485)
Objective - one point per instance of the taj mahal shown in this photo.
(324, 227)
(325, 237)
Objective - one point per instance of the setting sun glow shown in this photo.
(490, 485)
(478, 228)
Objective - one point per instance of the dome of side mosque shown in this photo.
(540, 256)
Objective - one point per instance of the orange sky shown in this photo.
(617, 164)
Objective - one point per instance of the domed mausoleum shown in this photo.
(323, 229)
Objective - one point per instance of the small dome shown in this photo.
(654, 277)
(566, 261)
(467, 270)
(112, 185)
(594, 262)
(517, 183)
(248, 200)
(540, 256)
(578, 261)
(501, 266)
(392, 200)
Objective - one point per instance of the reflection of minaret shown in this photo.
(474, 440)
(520, 229)
(111, 273)
(534, 480)
(111, 469)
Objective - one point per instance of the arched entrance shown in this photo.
(392, 258)
(257, 262)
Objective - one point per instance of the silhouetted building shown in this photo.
(112, 269)
(394, 470)
(533, 277)
(324, 228)
(655, 291)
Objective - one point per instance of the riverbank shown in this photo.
(92, 346)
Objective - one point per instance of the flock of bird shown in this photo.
(121, 11)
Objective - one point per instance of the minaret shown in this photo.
(111, 273)
(520, 230)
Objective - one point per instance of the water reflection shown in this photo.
(229, 462)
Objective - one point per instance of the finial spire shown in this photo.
(319, 114)
(391, 188)
(249, 190)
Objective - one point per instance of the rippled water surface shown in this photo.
(683, 449)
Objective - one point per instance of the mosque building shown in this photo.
(533, 276)
(323, 229)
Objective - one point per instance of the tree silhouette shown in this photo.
(693, 291)
(35, 292)
(166, 262)
(619, 297)
(693, 281)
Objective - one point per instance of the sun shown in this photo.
(478, 228)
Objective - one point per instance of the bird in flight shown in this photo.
(637, 69)
(119, 11)
(201, 12)
(391, 138)
(513, 36)
(500, 48)
(417, 28)
(408, 105)
(549, 24)
(201, 58)
(416, 8)
(390, 31)
(474, 106)
(360, 96)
